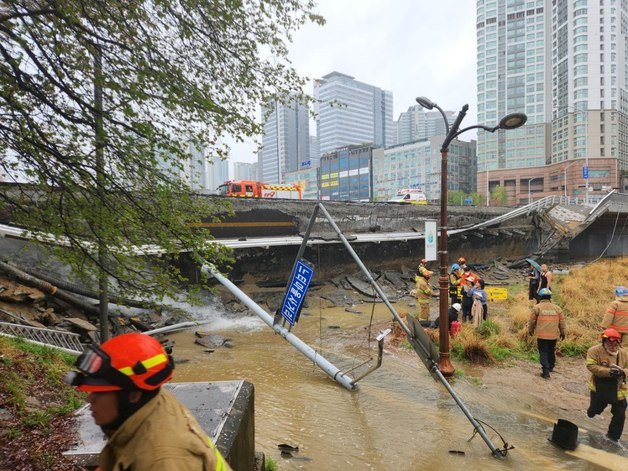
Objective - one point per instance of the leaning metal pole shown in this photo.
(295, 341)
(419, 345)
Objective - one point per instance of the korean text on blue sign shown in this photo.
(585, 172)
(300, 282)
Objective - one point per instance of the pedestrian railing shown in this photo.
(66, 341)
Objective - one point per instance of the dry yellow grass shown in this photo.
(584, 295)
(469, 345)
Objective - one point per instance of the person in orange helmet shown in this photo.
(146, 426)
(608, 364)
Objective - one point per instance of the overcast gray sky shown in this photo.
(410, 47)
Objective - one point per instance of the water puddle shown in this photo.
(399, 419)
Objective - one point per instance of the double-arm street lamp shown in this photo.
(510, 121)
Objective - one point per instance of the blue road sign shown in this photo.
(585, 172)
(297, 288)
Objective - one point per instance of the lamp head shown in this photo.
(512, 121)
(425, 102)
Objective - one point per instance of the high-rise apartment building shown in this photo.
(349, 112)
(285, 143)
(563, 63)
(416, 123)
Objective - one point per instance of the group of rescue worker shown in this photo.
(466, 289)
(607, 361)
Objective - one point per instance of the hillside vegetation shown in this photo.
(35, 407)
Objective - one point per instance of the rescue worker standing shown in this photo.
(423, 293)
(616, 316)
(608, 364)
(146, 426)
(454, 284)
(548, 321)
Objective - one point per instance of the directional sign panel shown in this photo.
(297, 288)
(496, 294)
(585, 172)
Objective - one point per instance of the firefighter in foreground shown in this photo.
(608, 364)
(146, 426)
(616, 316)
(548, 321)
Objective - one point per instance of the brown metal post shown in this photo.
(444, 363)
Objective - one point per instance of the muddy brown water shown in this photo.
(398, 419)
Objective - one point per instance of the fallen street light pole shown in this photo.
(510, 121)
(295, 341)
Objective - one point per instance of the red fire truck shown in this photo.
(253, 189)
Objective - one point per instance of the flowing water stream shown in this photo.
(398, 419)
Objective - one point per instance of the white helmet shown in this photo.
(456, 306)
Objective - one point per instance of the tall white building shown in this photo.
(244, 171)
(285, 143)
(416, 123)
(315, 153)
(563, 63)
(349, 112)
(207, 172)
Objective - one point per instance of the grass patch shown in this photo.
(37, 403)
(475, 380)
(574, 348)
(270, 464)
(488, 328)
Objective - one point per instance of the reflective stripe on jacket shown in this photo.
(599, 363)
(161, 436)
(547, 320)
(616, 316)
(454, 283)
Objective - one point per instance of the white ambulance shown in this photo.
(409, 195)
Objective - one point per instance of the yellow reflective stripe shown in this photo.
(148, 363)
(220, 461)
(591, 361)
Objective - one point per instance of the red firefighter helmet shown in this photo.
(129, 361)
(462, 260)
(611, 334)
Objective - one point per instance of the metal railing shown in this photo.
(69, 342)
